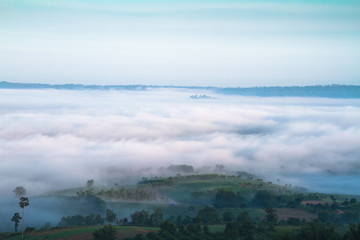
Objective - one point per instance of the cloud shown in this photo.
(51, 139)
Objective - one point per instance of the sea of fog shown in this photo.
(55, 139)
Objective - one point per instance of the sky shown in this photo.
(56, 139)
(203, 43)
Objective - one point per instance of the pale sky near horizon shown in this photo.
(204, 43)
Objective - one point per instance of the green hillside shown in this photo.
(190, 202)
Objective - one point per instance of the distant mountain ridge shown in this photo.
(327, 91)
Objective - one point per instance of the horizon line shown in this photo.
(169, 86)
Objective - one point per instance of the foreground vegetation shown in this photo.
(203, 206)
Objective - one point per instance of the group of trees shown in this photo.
(228, 198)
(140, 218)
(79, 220)
(156, 182)
(163, 181)
(245, 229)
(144, 218)
(237, 227)
(138, 194)
(242, 227)
(89, 220)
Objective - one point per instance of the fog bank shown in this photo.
(54, 139)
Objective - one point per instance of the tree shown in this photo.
(323, 217)
(246, 226)
(316, 231)
(353, 233)
(108, 232)
(228, 217)
(90, 183)
(140, 217)
(29, 229)
(19, 191)
(110, 216)
(24, 202)
(265, 199)
(99, 220)
(232, 231)
(208, 215)
(271, 215)
(228, 198)
(353, 201)
(194, 229)
(271, 218)
(187, 220)
(16, 219)
(167, 229)
(157, 217)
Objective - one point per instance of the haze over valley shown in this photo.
(54, 139)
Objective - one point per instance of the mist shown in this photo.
(56, 139)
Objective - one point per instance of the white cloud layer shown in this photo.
(51, 139)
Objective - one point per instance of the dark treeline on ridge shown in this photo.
(328, 91)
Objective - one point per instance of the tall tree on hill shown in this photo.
(24, 202)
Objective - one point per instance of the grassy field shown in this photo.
(80, 233)
(85, 233)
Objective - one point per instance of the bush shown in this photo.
(29, 229)
(108, 232)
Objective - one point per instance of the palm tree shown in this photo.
(24, 202)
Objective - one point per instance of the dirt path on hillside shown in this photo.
(140, 229)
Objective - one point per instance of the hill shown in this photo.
(183, 200)
(327, 91)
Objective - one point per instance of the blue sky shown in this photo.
(216, 43)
